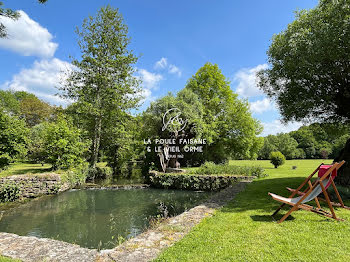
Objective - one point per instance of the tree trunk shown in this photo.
(96, 142)
(343, 177)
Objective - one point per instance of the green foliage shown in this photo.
(99, 173)
(230, 129)
(104, 86)
(277, 158)
(313, 141)
(13, 139)
(308, 76)
(122, 143)
(35, 111)
(63, 146)
(36, 147)
(191, 181)
(9, 192)
(213, 112)
(210, 168)
(76, 175)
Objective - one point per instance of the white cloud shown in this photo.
(27, 37)
(161, 64)
(276, 126)
(261, 106)
(175, 70)
(247, 82)
(149, 80)
(41, 79)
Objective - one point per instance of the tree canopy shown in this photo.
(232, 131)
(309, 70)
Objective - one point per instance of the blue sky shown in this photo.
(173, 38)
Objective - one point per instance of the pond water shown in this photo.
(96, 218)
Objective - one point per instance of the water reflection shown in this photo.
(96, 218)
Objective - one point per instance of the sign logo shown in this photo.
(172, 120)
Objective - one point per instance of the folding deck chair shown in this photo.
(325, 179)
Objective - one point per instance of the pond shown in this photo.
(96, 218)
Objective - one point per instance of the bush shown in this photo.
(9, 192)
(209, 168)
(190, 182)
(5, 160)
(99, 173)
(277, 158)
(76, 176)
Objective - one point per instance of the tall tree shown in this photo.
(232, 131)
(104, 82)
(7, 12)
(310, 67)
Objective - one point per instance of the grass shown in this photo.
(7, 259)
(25, 168)
(243, 230)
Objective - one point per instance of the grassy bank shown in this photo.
(244, 231)
(24, 168)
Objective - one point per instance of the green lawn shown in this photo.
(244, 231)
(6, 259)
(25, 168)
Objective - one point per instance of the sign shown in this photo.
(171, 149)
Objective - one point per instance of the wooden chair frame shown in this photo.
(308, 190)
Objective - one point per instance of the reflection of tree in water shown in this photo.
(87, 217)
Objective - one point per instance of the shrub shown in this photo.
(5, 160)
(209, 168)
(277, 158)
(190, 182)
(99, 173)
(76, 176)
(9, 192)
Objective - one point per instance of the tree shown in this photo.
(268, 147)
(35, 111)
(104, 86)
(6, 12)
(277, 158)
(232, 131)
(286, 145)
(36, 149)
(309, 73)
(13, 138)
(63, 145)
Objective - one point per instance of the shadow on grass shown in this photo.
(269, 218)
(30, 170)
(255, 198)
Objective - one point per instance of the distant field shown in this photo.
(25, 168)
(244, 231)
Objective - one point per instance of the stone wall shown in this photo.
(36, 185)
(194, 182)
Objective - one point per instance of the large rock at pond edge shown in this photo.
(343, 177)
